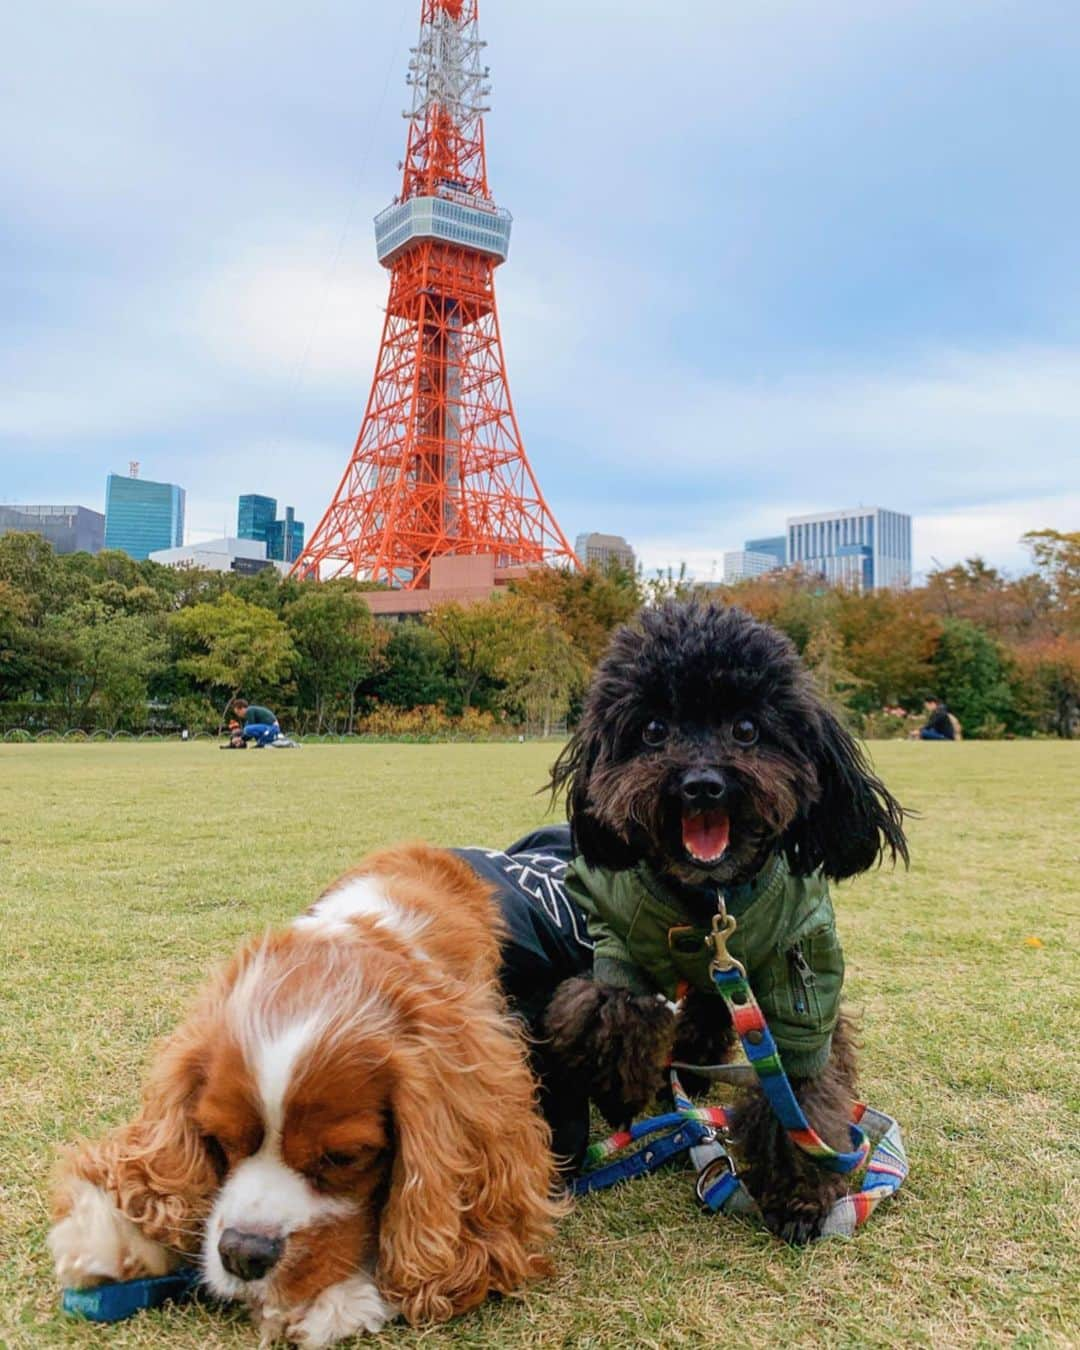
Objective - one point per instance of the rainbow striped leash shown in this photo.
(876, 1140)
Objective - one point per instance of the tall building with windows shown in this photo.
(745, 563)
(285, 538)
(141, 516)
(775, 546)
(257, 519)
(865, 548)
(70, 529)
(601, 550)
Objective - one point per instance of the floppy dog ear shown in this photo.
(157, 1169)
(855, 821)
(470, 1207)
(597, 844)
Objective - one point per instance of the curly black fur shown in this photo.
(623, 1040)
(693, 691)
(804, 785)
(793, 1193)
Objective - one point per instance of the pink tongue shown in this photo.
(706, 836)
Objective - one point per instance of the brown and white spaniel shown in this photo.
(343, 1129)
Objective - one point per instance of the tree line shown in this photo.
(107, 643)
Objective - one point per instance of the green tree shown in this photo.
(827, 661)
(971, 673)
(18, 667)
(538, 662)
(1057, 560)
(101, 664)
(411, 673)
(590, 604)
(337, 646)
(470, 641)
(231, 645)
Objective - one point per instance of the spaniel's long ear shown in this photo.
(855, 821)
(599, 845)
(157, 1168)
(471, 1206)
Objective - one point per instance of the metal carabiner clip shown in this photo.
(723, 925)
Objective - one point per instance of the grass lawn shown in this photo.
(127, 870)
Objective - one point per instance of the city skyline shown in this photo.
(885, 308)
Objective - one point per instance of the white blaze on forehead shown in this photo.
(357, 898)
(263, 1194)
(274, 1062)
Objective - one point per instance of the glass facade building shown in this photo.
(256, 517)
(745, 563)
(865, 548)
(775, 546)
(141, 516)
(70, 529)
(285, 538)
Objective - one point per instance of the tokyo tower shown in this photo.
(439, 467)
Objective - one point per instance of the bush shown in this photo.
(430, 722)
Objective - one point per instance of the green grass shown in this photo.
(126, 871)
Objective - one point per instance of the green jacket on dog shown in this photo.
(785, 937)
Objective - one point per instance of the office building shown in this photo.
(257, 519)
(601, 550)
(142, 517)
(775, 546)
(246, 556)
(285, 538)
(745, 563)
(865, 548)
(70, 529)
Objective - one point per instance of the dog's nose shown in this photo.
(702, 789)
(249, 1256)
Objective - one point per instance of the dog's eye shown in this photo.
(655, 733)
(218, 1156)
(744, 732)
(338, 1160)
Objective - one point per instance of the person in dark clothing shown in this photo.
(546, 941)
(259, 724)
(939, 725)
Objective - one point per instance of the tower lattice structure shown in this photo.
(439, 466)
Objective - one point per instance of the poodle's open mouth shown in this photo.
(706, 835)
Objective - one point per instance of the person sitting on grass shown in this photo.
(259, 724)
(940, 723)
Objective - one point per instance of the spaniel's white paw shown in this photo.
(94, 1243)
(344, 1309)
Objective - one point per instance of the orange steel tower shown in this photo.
(439, 466)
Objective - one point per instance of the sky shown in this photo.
(768, 258)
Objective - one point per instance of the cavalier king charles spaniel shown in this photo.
(344, 1128)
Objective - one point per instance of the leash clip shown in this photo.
(723, 925)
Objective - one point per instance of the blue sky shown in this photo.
(768, 257)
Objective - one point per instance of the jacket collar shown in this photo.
(701, 900)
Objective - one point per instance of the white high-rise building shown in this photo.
(865, 548)
(747, 562)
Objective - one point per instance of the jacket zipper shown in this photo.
(801, 976)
